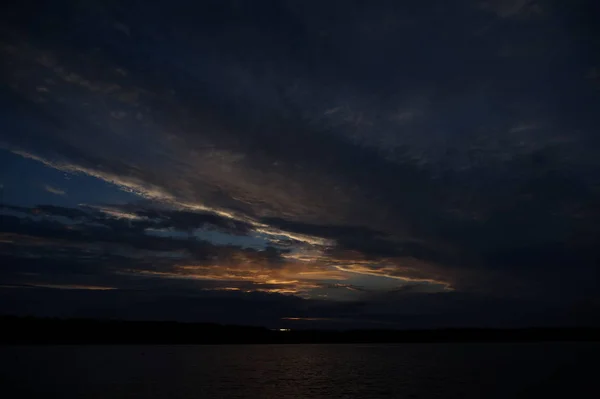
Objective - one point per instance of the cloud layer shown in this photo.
(332, 152)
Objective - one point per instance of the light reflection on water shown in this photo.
(300, 371)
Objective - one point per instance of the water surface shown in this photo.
(301, 371)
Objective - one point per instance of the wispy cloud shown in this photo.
(54, 190)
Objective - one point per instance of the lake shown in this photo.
(301, 371)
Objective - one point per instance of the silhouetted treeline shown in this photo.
(28, 330)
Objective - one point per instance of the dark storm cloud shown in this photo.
(449, 142)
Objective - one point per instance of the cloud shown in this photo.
(53, 210)
(71, 287)
(54, 190)
(356, 155)
(47, 245)
(514, 8)
(103, 248)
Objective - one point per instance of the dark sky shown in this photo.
(302, 163)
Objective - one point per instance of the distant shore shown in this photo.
(28, 330)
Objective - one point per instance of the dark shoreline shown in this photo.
(28, 330)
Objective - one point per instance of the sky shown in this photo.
(333, 164)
